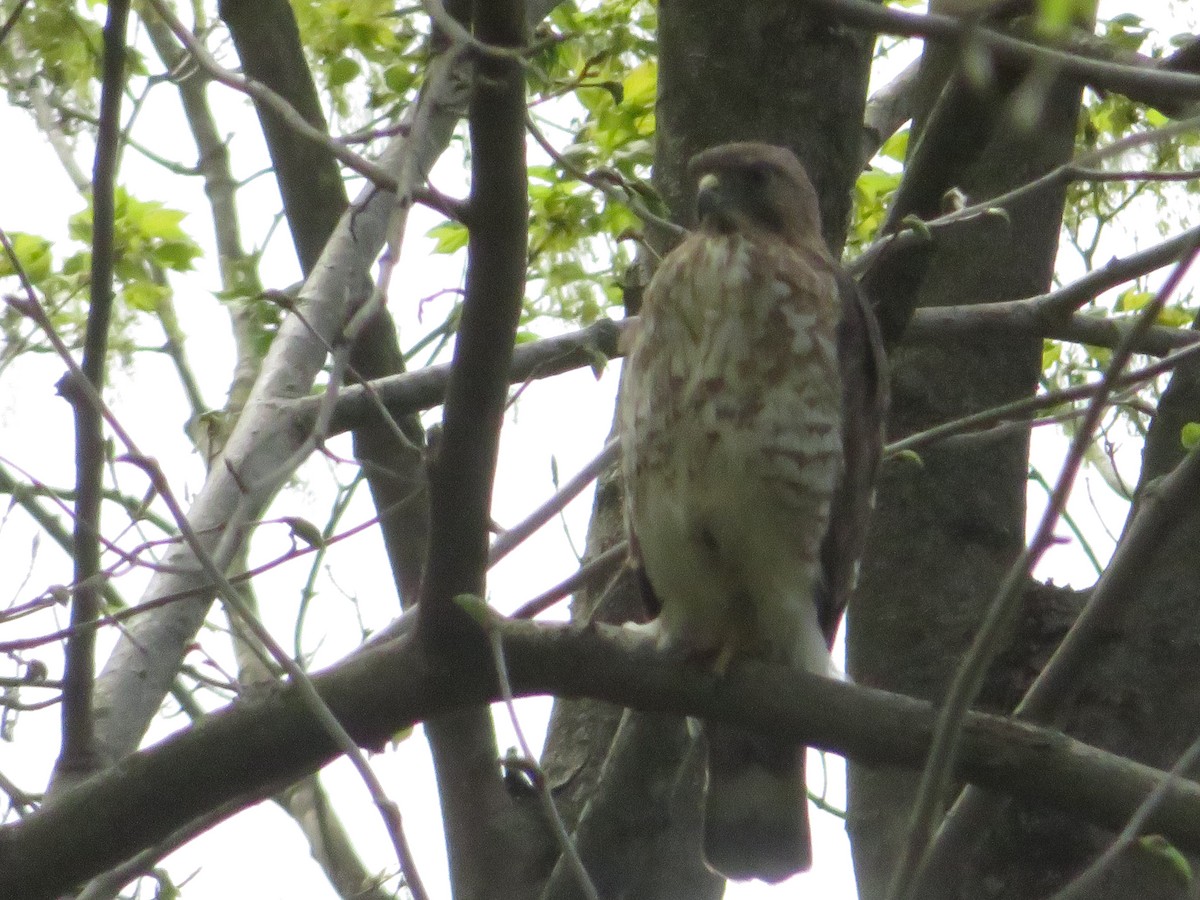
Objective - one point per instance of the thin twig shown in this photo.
(229, 594)
(232, 598)
(1130, 80)
(1022, 409)
(12, 20)
(627, 197)
(374, 173)
(458, 34)
(508, 541)
(1081, 174)
(199, 590)
(1087, 883)
(565, 844)
(1036, 476)
(1067, 172)
(590, 571)
(1160, 508)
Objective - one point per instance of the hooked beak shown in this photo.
(712, 208)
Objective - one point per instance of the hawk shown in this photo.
(750, 419)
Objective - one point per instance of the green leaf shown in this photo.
(896, 147)
(305, 531)
(1131, 300)
(399, 78)
(1051, 353)
(641, 84)
(1189, 435)
(1055, 16)
(448, 237)
(1174, 317)
(144, 295)
(79, 226)
(874, 183)
(1155, 119)
(343, 71)
(78, 263)
(1102, 355)
(1163, 850)
(917, 224)
(32, 252)
(175, 255)
(160, 222)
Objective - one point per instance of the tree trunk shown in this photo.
(769, 71)
(947, 528)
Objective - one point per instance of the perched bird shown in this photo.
(750, 420)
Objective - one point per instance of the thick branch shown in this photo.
(246, 752)
(268, 44)
(461, 483)
(244, 480)
(135, 679)
(426, 388)
(1162, 508)
(1133, 81)
(1019, 319)
(485, 860)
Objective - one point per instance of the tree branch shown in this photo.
(267, 39)
(426, 388)
(373, 172)
(78, 757)
(1132, 81)
(238, 273)
(246, 751)
(485, 861)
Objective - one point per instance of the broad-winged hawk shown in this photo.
(750, 416)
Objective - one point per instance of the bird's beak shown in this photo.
(708, 196)
(711, 205)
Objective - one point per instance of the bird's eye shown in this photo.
(757, 176)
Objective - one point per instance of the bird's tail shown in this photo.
(756, 810)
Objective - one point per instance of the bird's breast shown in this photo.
(730, 415)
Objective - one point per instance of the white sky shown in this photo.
(259, 853)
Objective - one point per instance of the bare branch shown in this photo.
(484, 862)
(1133, 81)
(887, 110)
(425, 388)
(1050, 315)
(238, 754)
(142, 665)
(565, 845)
(1171, 498)
(515, 536)
(602, 566)
(78, 757)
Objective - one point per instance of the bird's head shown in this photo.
(750, 187)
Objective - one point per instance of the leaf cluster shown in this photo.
(149, 242)
(366, 55)
(58, 46)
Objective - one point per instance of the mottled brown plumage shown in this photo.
(732, 429)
